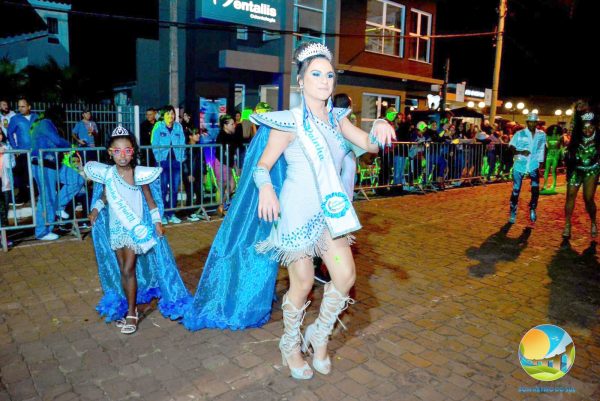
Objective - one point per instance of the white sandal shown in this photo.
(122, 321)
(130, 328)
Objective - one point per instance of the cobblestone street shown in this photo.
(444, 294)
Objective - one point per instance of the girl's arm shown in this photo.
(99, 205)
(383, 132)
(148, 195)
(153, 210)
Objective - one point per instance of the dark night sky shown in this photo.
(548, 44)
(547, 51)
(104, 48)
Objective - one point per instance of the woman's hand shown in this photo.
(268, 204)
(191, 178)
(384, 133)
(93, 216)
(160, 230)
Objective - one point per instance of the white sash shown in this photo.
(140, 233)
(338, 211)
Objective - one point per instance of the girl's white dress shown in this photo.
(132, 195)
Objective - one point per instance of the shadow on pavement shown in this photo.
(498, 247)
(575, 287)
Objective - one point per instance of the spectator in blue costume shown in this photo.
(294, 161)
(19, 137)
(165, 134)
(72, 178)
(45, 135)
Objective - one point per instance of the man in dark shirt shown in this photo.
(232, 142)
(146, 136)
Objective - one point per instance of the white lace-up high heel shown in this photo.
(317, 334)
(292, 337)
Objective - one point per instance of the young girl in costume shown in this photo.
(290, 206)
(135, 263)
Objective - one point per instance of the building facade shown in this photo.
(34, 30)
(385, 57)
(241, 51)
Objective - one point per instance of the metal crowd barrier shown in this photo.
(22, 166)
(214, 177)
(215, 171)
(428, 166)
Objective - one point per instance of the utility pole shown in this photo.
(173, 58)
(499, 39)
(445, 88)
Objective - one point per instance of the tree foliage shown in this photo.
(49, 82)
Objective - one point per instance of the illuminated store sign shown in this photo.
(474, 93)
(266, 14)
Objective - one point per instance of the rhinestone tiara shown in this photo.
(587, 116)
(314, 49)
(120, 131)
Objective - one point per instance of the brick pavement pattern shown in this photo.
(444, 294)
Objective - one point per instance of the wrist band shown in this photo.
(372, 138)
(261, 177)
(99, 205)
(155, 215)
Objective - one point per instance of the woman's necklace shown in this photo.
(588, 139)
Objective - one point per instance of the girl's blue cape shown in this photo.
(156, 271)
(237, 286)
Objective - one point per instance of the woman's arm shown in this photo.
(278, 142)
(382, 131)
(268, 204)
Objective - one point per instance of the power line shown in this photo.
(223, 27)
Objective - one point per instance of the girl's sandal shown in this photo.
(122, 321)
(130, 328)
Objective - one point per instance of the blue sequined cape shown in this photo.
(237, 287)
(156, 271)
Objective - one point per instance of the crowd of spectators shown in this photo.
(60, 185)
(455, 150)
(428, 152)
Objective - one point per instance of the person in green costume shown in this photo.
(555, 148)
(583, 167)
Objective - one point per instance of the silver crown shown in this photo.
(315, 49)
(120, 131)
(587, 116)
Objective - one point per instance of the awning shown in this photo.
(466, 112)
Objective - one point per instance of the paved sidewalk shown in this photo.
(444, 295)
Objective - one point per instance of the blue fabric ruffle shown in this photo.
(237, 287)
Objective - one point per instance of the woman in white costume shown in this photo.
(314, 215)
